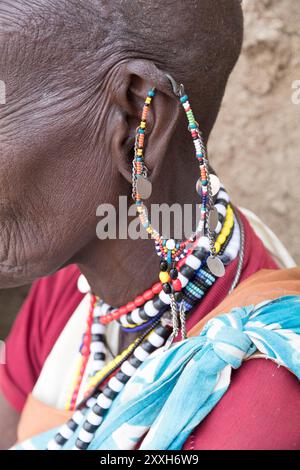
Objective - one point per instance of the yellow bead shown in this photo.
(148, 100)
(143, 125)
(226, 231)
(217, 247)
(139, 152)
(164, 277)
(221, 238)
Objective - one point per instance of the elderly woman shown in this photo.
(93, 111)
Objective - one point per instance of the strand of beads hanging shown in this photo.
(208, 185)
(168, 277)
(170, 251)
(153, 302)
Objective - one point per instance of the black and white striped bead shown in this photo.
(105, 399)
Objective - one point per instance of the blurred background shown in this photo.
(256, 141)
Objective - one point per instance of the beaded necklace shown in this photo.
(196, 280)
(115, 375)
(188, 270)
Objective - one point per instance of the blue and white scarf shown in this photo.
(174, 390)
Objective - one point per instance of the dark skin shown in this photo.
(76, 74)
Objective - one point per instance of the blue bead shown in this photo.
(141, 131)
(151, 93)
(184, 98)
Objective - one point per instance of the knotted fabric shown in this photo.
(174, 390)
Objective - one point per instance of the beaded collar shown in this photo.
(106, 381)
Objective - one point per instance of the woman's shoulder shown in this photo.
(259, 411)
(49, 305)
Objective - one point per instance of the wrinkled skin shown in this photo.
(76, 74)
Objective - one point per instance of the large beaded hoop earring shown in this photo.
(171, 251)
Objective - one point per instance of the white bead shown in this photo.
(82, 284)
(193, 262)
(203, 243)
(136, 317)
(66, 432)
(97, 311)
(97, 329)
(85, 436)
(53, 445)
(221, 209)
(141, 354)
(170, 244)
(223, 195)
(184, 280)
(156, 340)
(97, 365)
(91, 402)
(77, 417)
(97, 347)
(128, 369)
(218, 227)
(165, 298)
(149, 308)
(94, 419)
(115, 384)
(103, 401)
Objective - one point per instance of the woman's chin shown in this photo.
(15, 276)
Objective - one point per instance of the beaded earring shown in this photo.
(208, 185)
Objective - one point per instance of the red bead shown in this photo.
(156, 289)
(116, 314)
(177, 286)
(123, 310)
(148, 294)
(130, 306)
(86, 340)
(85, 350)
(139, 301)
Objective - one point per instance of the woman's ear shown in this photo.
(134, 80)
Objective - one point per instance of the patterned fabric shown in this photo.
(174, 390)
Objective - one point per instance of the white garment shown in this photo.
(272, 243)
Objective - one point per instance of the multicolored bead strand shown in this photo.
(171, 251)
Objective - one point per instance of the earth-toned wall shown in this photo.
(255, 144)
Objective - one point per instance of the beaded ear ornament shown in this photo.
(171, 251)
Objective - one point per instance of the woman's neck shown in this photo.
(120, 269)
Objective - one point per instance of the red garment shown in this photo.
(48, 307)
(260, 410)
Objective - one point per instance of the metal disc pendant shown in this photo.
(215, 184)
(144, 187)
(213, 219)
(215, 266)
(199, 186)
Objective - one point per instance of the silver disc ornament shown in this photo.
(213, 218)
(215, 266)
(143, 187)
